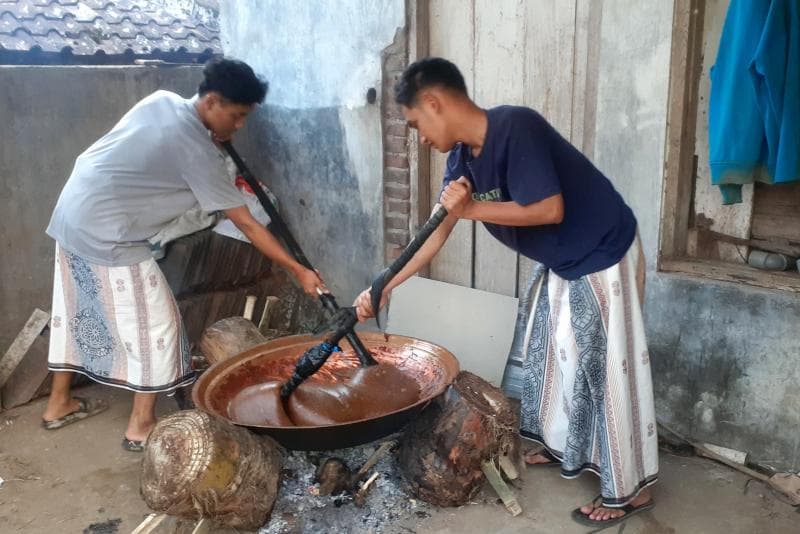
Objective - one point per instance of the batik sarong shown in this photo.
(117, 325)
(587, 391)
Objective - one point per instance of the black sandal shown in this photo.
(87, 407)
(131, 445)
(597, 502)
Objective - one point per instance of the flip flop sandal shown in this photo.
(552, 461)
(131, 445)
(583, 519)
(87, 407)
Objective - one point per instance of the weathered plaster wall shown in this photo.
(724, 355)
(49, 116)
(317, 141)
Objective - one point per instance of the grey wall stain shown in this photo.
(303, 157)
(316, 142)
(725, 364)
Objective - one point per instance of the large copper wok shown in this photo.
(433, 367)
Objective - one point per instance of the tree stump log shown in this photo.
(197, 466)
(442, 452)
(229, 337)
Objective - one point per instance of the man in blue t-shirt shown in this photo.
(587, 396)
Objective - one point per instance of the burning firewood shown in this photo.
(333, 476)
(445, 453)
(360, 498)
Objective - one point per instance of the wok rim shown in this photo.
(217, 371)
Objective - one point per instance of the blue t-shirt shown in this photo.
(525, 160)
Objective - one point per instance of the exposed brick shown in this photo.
(397, 181)
(396, 222)
(398, 206)
(397, 237)
(397, 191)
(397, 128)
(394, 143)
(393, 111)
(397, 176)
(398, 161)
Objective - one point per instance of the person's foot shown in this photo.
(536, 458)
(540, 457)
(599, 513)
(58, 409)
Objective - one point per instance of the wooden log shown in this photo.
(360, 498)
(229, 337)
(333, 476)
(197, 466)
(443, 452)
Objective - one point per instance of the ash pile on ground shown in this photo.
(300, 509)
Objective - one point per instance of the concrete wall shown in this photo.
(49, 116)
(317, 142)
(724, 355)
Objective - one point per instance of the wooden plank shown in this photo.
(505, 493)
(453, 264)
(156, 523)
(685, 66)
(270, 307)
(735, 219)
(419, 156)
(30, 374)
(19, 347)
(735, 273)
(586, 74)
(777, 225)
(550, 77)
(777, 245)
(776, 212)
(203, 526)
(499, 60)
(548, 61)
(776, 197)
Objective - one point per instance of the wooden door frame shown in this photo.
(419, 156)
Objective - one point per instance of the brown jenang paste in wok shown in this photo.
(347, 394)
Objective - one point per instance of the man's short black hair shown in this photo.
(425, 73)
(234, 80)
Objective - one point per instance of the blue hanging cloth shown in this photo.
(754, 107)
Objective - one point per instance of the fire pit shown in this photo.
(432, 367)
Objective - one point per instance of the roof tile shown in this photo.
(110, 26)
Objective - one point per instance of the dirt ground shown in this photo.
(78, 480)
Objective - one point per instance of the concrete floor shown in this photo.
(67, 480)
